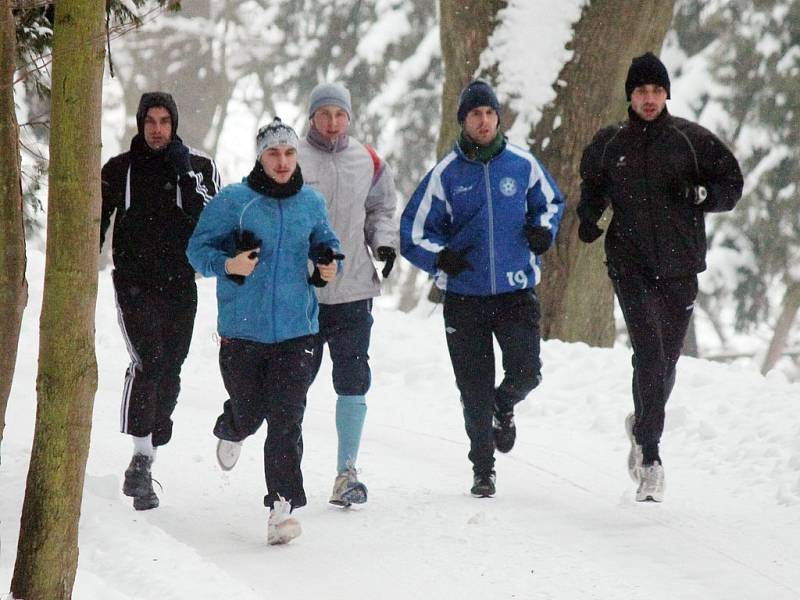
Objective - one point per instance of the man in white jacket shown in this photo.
(359, 190)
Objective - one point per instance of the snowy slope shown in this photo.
(563, 525)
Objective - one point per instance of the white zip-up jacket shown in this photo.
(360, 196)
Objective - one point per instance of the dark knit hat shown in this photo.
(645, 69)
(275, 134)
(477, 93)
(151, 99)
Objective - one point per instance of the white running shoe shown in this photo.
(228, 453)
(282, 527)
(651, 487)
(347, 489)
(635, 453)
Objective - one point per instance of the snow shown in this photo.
(563, 525)
(528, 49)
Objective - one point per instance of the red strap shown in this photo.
(376, 162)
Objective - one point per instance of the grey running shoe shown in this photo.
(228, 453)
(635, 453)
(347, 489)
(651, 487)
(139, 483)
(282, 527)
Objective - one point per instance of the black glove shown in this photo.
(539, 238)
(589, 232)
(245, 240)
(316, 279)
(177, 155)
(696, 194)
(453, 262)
(386, 254)
(325, 256)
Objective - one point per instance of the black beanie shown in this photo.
(151, 99)
(477, 93)
(645, 69)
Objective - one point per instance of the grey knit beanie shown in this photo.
(326, 94)
(275, 134)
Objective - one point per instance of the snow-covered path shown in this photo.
(562, 526)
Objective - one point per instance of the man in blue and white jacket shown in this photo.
(478, 222)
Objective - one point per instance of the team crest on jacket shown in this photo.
(508, 187)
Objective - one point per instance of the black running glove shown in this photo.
(453, 262)
(589, 232)
(177, 155)
(325, 256)
(245, 240)
(539, 238)
(386, 254)
(696, 194)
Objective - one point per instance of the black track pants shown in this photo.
(269, 382)
(157, 326)
(470, 323)
(657, 314)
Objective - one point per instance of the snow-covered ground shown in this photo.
(563, 525)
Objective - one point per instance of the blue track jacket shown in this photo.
(463, 203)
(276, 302)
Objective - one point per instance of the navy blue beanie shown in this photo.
(477, 93)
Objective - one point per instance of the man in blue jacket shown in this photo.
(478, 222)
(257, 237)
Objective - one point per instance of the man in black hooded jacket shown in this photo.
(660, 174)
(157, 189)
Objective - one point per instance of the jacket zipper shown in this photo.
(491, 228)
(275, 270)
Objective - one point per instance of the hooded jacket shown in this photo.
(644, 171)
(276, 301)
(360, 196)
(156, 210)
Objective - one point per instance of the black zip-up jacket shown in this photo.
(644, 170)
(156, 212)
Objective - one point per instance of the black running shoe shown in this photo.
(483, 485)
(139, 483)
(505, 432)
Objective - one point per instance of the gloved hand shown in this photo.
(696, 194)
(177, 155)
(386, 254)
(589, 232)
(245, 240)
(325, 256)
(539, 238)
(453, 262)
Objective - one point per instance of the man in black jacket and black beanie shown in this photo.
(157, 189)
(660, 174)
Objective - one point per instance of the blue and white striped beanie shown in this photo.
(275, 134)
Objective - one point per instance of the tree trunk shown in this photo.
(791, 304)
(13, 286)
(465, 27)
(47, 554)
(577, 300)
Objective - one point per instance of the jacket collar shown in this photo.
(320, 142)
(657, 124)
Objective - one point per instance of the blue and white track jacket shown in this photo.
(463, 203)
